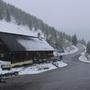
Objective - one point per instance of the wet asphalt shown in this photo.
(75, 76)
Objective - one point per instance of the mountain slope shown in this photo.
(54, 37)
(12, 27)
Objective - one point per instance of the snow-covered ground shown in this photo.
(69, 50)
(60, 64)
(12, 27)
(39, 68)
(35, 69)
(83, 58)
(4, 62)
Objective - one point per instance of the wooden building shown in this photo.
(19, 47)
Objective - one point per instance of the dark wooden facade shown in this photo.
(19, 56)
(3, 47)
(16, 57)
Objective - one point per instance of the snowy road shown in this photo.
(76, 76)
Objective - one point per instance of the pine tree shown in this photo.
(74, 40)
(1, 17)
(8, 18)
(1, 13)
(82, 42)
(88, 48)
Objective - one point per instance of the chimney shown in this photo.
(39, 36)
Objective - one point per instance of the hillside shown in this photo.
(12, 27)
(11, 13)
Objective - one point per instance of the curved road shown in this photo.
(76, 76)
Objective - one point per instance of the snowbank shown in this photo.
(83, 58)
(60, 64)
(35, 69)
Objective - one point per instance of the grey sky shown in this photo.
(71, 16)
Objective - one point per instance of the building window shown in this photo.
(2, 55)
(27, 54)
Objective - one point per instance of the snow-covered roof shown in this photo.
(20, 38)
(35, 44)
(15, 29)
(24, 43)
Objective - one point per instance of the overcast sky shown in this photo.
(71, 16)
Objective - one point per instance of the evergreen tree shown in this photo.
(88, 48)
(1, 16)
(82, 42)
(8, 17)
(74, 40)
(1, 13)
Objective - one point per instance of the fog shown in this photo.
(70, 16)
